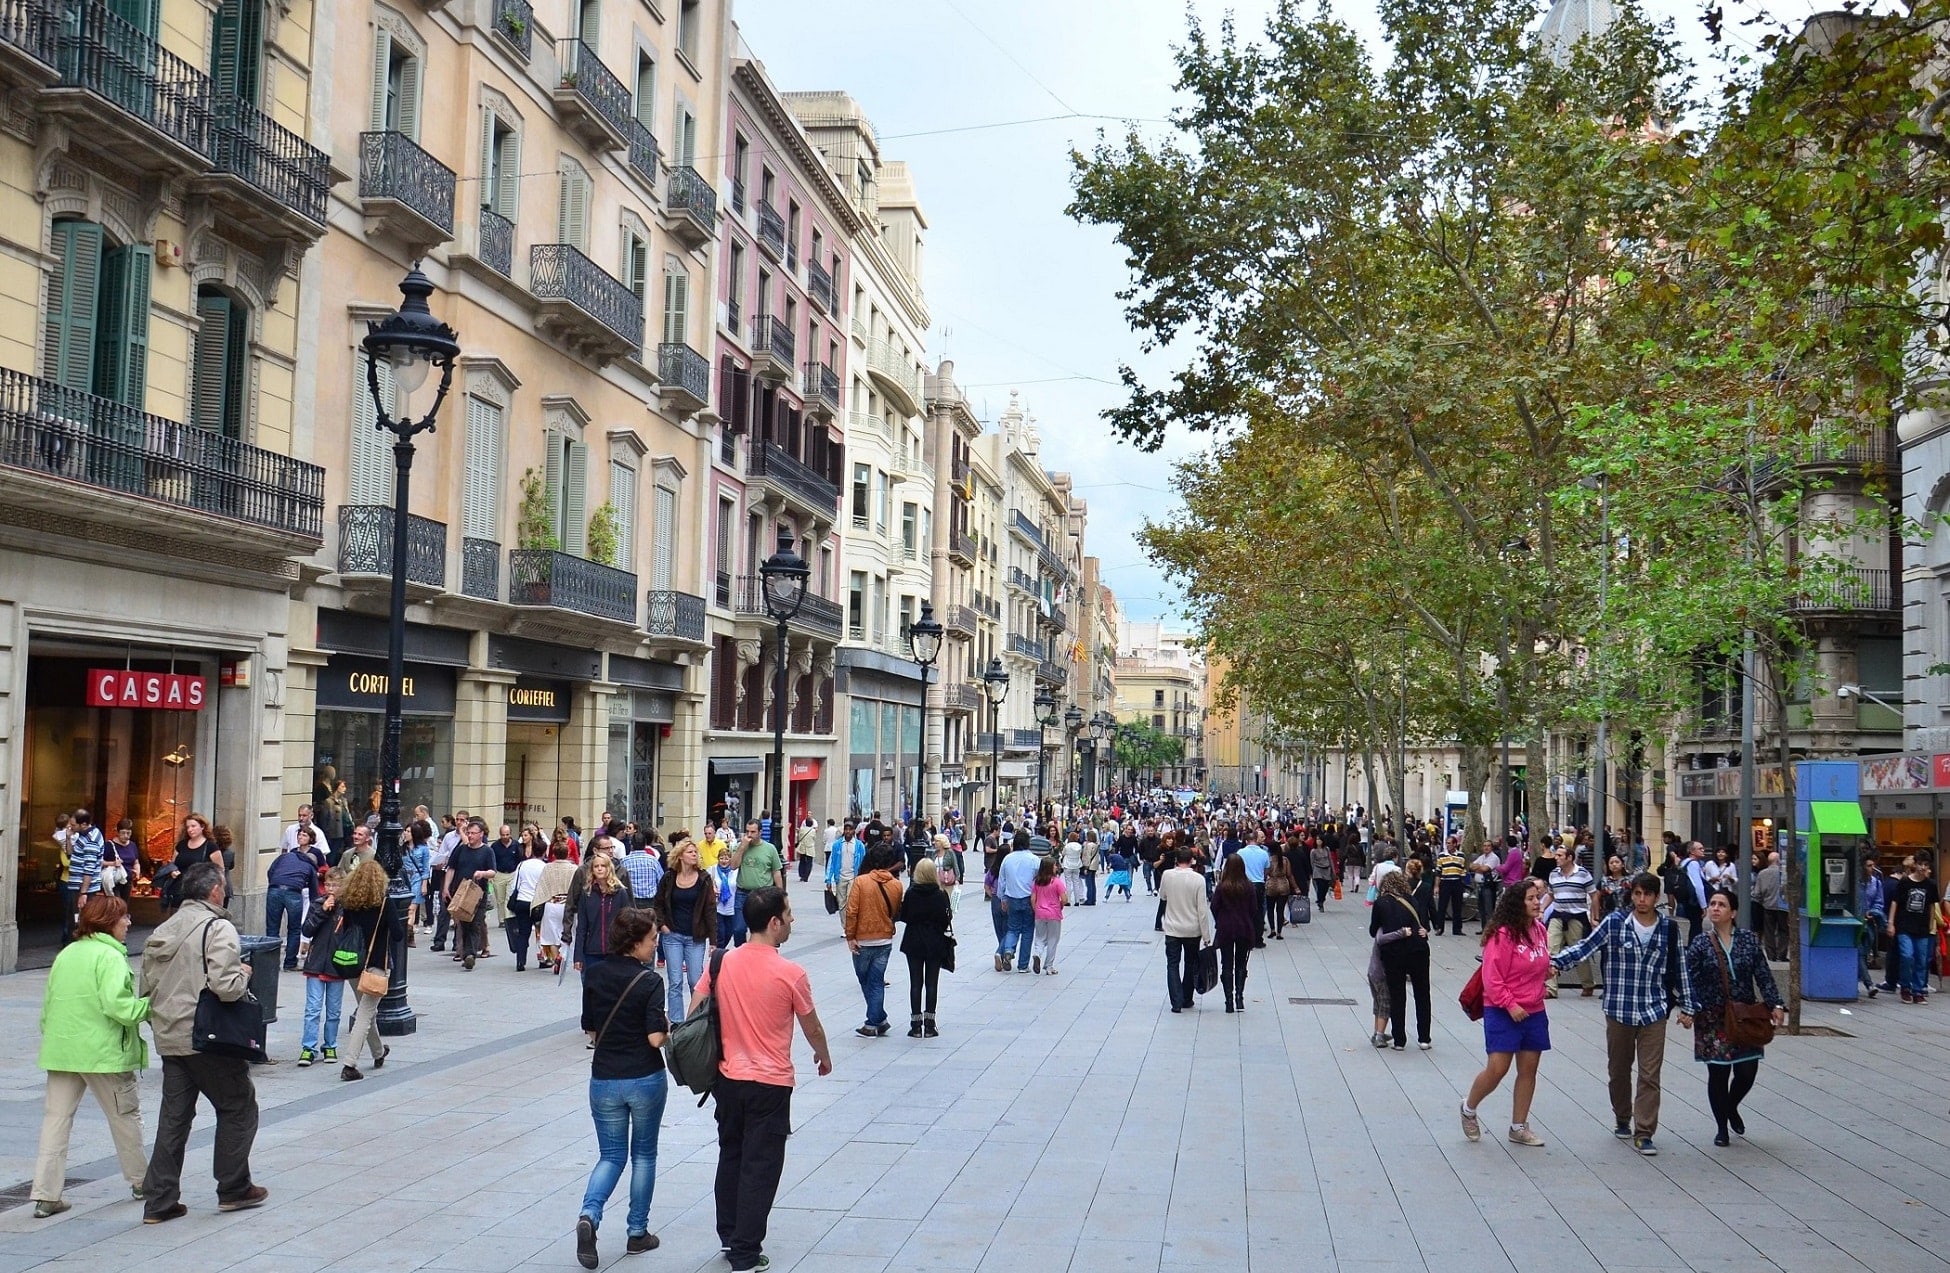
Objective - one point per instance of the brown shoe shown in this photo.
(253, 1197)
(1588, 992)
(167, 1214)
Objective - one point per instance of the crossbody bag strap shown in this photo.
(618, 1006)
(373, 944)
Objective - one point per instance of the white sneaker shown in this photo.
(1472, 1125)
(1522, 1135)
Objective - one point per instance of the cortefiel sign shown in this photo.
(160, 691)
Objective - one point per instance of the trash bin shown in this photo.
(265, 956)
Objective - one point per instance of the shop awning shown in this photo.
(737, 764)
(1837, 817)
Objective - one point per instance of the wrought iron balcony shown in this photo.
(694, 206)
(772, 347)
(266, 174)
(958, 470)
(822, 390)
(1019, 522)
(496, 246)
(514, 21)
(817, 615)
(737, 195)
(27, 38)
(961, 547)
(685, 377)
(587, 308)
(1057, 618)
(820, 290)
(961, 696)
(1854, 589)
(480, 569)
(594, 103)
(366, 545)
(159, 104)
(772, 465)
(546, 577)
(644, 154)
(1022, 739)
(676, 615)
(404, 191)
(771, 230)
(897, 374)
(987, 743)
(1020, 578)
(1027, 647)
(960, 621)
(731, 315)
(1052, 673)
(82, 441)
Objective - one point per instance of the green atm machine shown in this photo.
(1834, 833)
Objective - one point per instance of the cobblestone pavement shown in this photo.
(1065, 1122)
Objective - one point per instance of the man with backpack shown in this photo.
(1645, 982)
(756, 993)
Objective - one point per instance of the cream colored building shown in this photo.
(957, 707)
(158, 465)
(1161, 682)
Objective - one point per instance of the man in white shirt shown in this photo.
(290, 840)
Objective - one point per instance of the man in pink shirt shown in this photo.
(758, 994)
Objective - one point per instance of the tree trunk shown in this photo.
(1476, 769)
(1785, 834)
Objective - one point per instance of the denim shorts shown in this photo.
(1501, 1034)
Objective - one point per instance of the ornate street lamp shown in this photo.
(785, 574)
(1072, 725)
(924, 640)
(1099, 730)
(1045, 717)
(412, 342)
(995, 685)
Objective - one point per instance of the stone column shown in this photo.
(480, 763)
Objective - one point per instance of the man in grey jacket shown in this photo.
(194, 948)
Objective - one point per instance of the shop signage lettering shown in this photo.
(368, 683)
(533, 699)
(352, 683)
(160, 691)
(520, 697)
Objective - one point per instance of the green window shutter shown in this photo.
(68, 349)
(237, 50)
(409, 97)
(646, 92)
(663, 548)
(382, 67)
(490, 178)
(140, 14)
(575, 501)
(370, 480)
(210, 378)
(122, 335)
(552, 483)
(480, 507)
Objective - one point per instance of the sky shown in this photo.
(1022, 297)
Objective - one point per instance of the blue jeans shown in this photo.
(1918, 954)
(999, 914)
(1022, 929)
(738, 932)
(323, 995)
(628, 1114)
(290, 904)
(870, 966)
(683, 965)
(724, 930)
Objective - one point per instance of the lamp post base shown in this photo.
(396, 1016)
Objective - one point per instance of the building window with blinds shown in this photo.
(663, 539)
(96, 334)
(481, 491)
(220, 364)
(677, 303)
(572, 206)
(500, 165)
(622, 502)
(566, 479)
(369, 477)
(397, 57)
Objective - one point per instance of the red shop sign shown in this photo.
(162, 691)
(805, 769)
(1940, 767)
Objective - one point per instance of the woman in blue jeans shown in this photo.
(623, 1008)
(687, 912)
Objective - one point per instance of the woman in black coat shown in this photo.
(926, 943)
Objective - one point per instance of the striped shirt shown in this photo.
(1450, 866)
(1571, 894)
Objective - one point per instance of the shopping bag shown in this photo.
(1300, 910)
(1337, 890)
(1471, 997)
(466, 899)
(1208, 969)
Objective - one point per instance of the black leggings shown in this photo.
(1402, 972)
(1276, 913)
(1727, 1086)
(921, 974)
(1322, 887)
(1232, 969)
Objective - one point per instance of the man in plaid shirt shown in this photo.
(644, 872)
(1645, 981)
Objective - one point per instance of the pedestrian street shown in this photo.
(1063, 1122)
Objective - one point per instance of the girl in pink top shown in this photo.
(1516, 963)
(1047, 895)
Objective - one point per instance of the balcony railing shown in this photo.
(366, 545)
(1022, 739)
(771, 463)
(685, 374)
(823, 385)
(1019, 578)
(271, 158)
(104, 55)
(737, 195)
(961, 545)
(30, 25)
(816, 613)
(860, 424)
(497, 242)
(1058, 618)
(771, 229)
(677, 615)
(1019, 522)
(557, 271)
(595, 89)
(545, 577)
(47, 428)
(772, 338)
(644, 154)
(480, 569)
(819, 288)
(1856, 588)
(893, 366)
(515, 20)
(392, 166)
(960, 621)
(860, 327)
(1053, 673)
(690, 197)
(961, 696)
(1028, 647)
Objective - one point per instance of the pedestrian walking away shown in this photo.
(761, 995)
(1047, 896)
(1234, 910)
(1188, 927)
(1725, 965)
(1646, 981)
(1015, 881)
(1516, 963)
(90, 1043)
(623, 1005)
(928, 943)
(872, 908)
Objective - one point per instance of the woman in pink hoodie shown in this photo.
(1516, 963)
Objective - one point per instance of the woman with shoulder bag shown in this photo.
(623, 1013)
(1406, 961)
(364, 904)
(926, 917)
(1735, 1008)
(1279, 890)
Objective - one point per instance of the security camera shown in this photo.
(1847, 691)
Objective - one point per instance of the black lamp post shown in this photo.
(1100, 725)
(924, 640)
(1045, 717)
(995, 685)
(412, 341)
(1073, 725)
(785, 574)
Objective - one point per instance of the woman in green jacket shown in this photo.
(90, 1041)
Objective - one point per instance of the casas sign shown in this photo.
(162, 691)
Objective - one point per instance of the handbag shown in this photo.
(1208, 969)
(1471, 997)
(233, 1028)
(374, 981)
(832, 901)
(1748, 1025)
(465, 901)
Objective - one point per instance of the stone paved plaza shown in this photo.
(1065, 1122)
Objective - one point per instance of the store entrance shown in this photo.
(533, 778)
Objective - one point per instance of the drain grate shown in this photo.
(21, 1194)
(1323, 1003)
(1125, 941)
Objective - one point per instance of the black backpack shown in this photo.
(696, 1044)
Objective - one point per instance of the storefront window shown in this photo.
(347, 749)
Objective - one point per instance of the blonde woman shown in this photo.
(363, 905)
